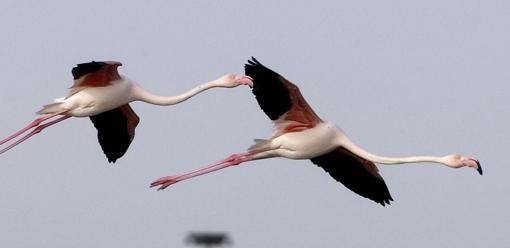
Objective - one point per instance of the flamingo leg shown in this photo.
(32, 124)
(234, 159)
(38, 128)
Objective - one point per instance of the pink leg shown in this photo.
(32, 124)
(231, 160)
(38, 128)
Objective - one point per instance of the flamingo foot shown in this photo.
(164, 182)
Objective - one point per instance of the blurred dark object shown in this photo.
(208, 239)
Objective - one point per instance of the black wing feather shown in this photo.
(86, 68)
(269, 90)
(351, 171)
(112, 133)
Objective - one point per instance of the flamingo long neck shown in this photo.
(145, 96)
(349, 145)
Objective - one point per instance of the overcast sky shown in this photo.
(399, 77)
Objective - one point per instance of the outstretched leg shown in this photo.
(234, 159)
(38, 128)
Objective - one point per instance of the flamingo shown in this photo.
(101, 93)
(302, 134)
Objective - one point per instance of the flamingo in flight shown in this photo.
(301, 134)
(101, 93)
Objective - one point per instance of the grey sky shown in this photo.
(400, 77)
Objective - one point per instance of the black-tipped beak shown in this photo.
(480, 171)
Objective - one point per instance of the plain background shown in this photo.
(399, 77)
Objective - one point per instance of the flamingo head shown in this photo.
(232, 80)
(458, 161)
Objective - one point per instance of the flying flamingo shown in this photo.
(301, 134)
(99, 92)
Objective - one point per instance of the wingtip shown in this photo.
(111, 159)
(253, 62)
(386, 202)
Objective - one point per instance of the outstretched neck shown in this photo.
(145, 96)
(345, 142)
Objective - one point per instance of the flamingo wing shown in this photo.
(94, 74)
(357, 174)
(280, 99)
(115, 130)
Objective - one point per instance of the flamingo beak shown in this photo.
(479, 167)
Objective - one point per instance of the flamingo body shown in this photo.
(93, 100)
(304, 144)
